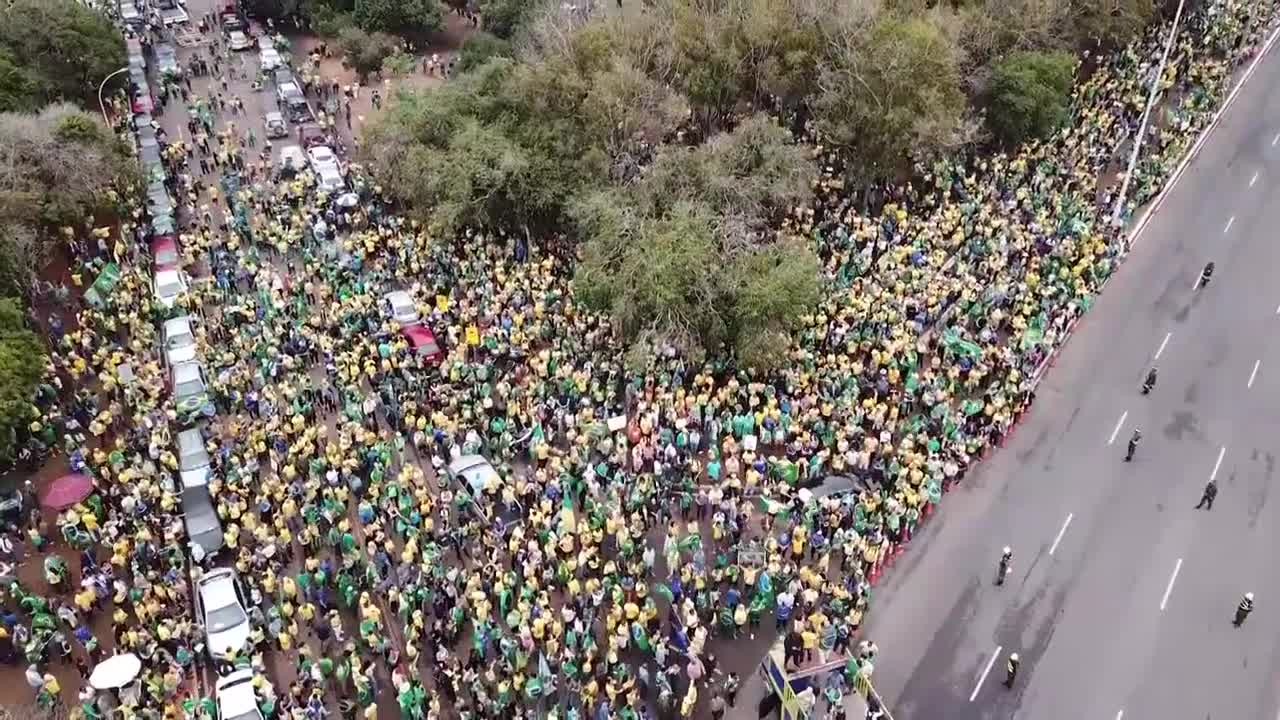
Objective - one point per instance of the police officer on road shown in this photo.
(1243, 609)
(1011, 670)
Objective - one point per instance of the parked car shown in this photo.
(175, 15)
(283, 75)
(237, 40)
(292, 159)
(236, 697)
(179, 340)
(190, 390)
(276, 127)
(330, 180)
(167, 60)
(310, 136)
(223, 611)
(164, 252)
(285, 90)
(423, 343)
(398, 305)
(169, 285)
(130, 15)
(269, 59)
(322, 156)
(477, 476)
(193, 459)
(204, 529)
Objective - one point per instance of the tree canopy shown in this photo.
(672, 144)
(1030, 95)
(21, 368)
(52, 50)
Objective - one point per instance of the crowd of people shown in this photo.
(658, 515)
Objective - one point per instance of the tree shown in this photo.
(891, 97)
(64, 49)
(399, 17)
(480, 47)
(504, 18)
(56, 168)
(1030, 95)
(366, 51)
(21, 368)
(1109, 23)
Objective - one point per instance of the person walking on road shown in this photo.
(1011, 670)
(1206, 498)
(1133, 445)
(1243, 609)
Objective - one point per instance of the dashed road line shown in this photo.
(987, 669)
(1160, 351)
(1254, 374)
(1253, 180)
(1168, 589)
(1213, 475)
(1231, 221)
(1119, 424)
(1061, 532)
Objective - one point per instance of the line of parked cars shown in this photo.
(221, 604)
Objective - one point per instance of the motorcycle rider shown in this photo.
(1243, 609)
(1150, 382)
(1133, 445)
(1006, 560)
(1205, 274)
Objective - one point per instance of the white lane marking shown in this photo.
(1254, 374)
(1253, 180)
(1172, 579)
(1160, 351)
(1275, 139)
(1061, 532)
(987, 669)
(1230, 222)
(1218, 464)
(1119, 424)
(1120, 715)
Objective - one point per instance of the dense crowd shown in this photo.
(640, 544)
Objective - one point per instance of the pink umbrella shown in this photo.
(67, 491)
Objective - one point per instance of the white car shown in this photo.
(322, 156)
(266, 42)
(292, 158)
(169, 285)
(238, 40)
(270, 59)
(130, 15)
(331, 181)
(193, 459)
(190, 391)
(399, 306)
(179, 340)
(221, 607)
(237, 699)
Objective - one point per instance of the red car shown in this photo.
(423, 343)
(310, 136)
(164, 251)
(142, 103)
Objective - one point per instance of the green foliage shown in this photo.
(684, 257)
(21, 368)
(892, 97)
(54, 50)
(480, 47)
(56, 168)
(1030, 95)
(504, 18)
(400, 17)
(366, 51)
(399, 64)
(1109, 23)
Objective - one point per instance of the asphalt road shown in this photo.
(1121, 595)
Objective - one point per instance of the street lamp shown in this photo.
(102, 106)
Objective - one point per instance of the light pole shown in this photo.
(102, 106)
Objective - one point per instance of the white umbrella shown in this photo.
(116, 671)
